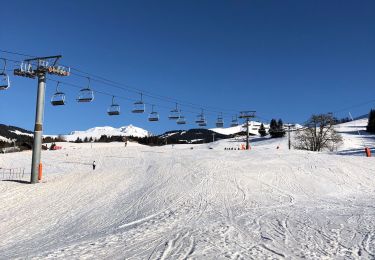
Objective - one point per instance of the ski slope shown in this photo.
(181, 203)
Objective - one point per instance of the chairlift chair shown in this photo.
(181, 119)
(174, 113)
(86, 94)
(203, 123)
(114, 109)
(4, 78)
(139, 106)
(220, 121)
(153, 116)
(234, 121)
(58, 99)
(201, 120)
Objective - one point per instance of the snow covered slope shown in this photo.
(97, 132)
(253, 128)
(355, 137)
(182, 203)
(9, 133)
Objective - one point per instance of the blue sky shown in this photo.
(284, 59)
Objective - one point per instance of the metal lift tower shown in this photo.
(39, 67)
(247, 115)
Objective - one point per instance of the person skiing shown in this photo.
(93, 165)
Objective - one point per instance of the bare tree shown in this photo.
(318, 134)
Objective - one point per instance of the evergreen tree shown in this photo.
(276, 128)
(371, 122)
(280, 128)
(262, 130)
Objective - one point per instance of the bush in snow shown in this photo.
(318, 134)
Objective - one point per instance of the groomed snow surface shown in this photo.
(181, 203)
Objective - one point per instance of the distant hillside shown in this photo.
(192, 136)
(10, 134)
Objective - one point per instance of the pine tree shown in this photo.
(262, 130)
(276, 128)
(280, 128)
(371, 122)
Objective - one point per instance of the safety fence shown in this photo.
(16, 174)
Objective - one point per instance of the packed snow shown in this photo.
(192, 202)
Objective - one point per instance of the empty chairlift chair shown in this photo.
(139, 106)
(201, 120)
(220, 121)
(234, 121)
(153, 116)
(174, 114)
(58, 99)
(181, 120)
(114, 109)
(86, 94)
(4, 78)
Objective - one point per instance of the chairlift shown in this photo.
(139, 106)
(220, 121)
(203, 123)
(181, 119)
(153, 116)
(114, 109)
(58, 99)
(201, 120)
(174, 113)
(234, 121)
(4, 78)
(86, 94)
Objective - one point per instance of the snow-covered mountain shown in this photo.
(97, 132)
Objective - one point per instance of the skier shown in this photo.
(93, 165)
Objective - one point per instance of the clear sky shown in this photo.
(284, 59)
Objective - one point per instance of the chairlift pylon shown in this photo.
(86, 94)
(153, 116)
(58, 99)
(4, 78)
(174, 113)
(114, 109)
(139, 106)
